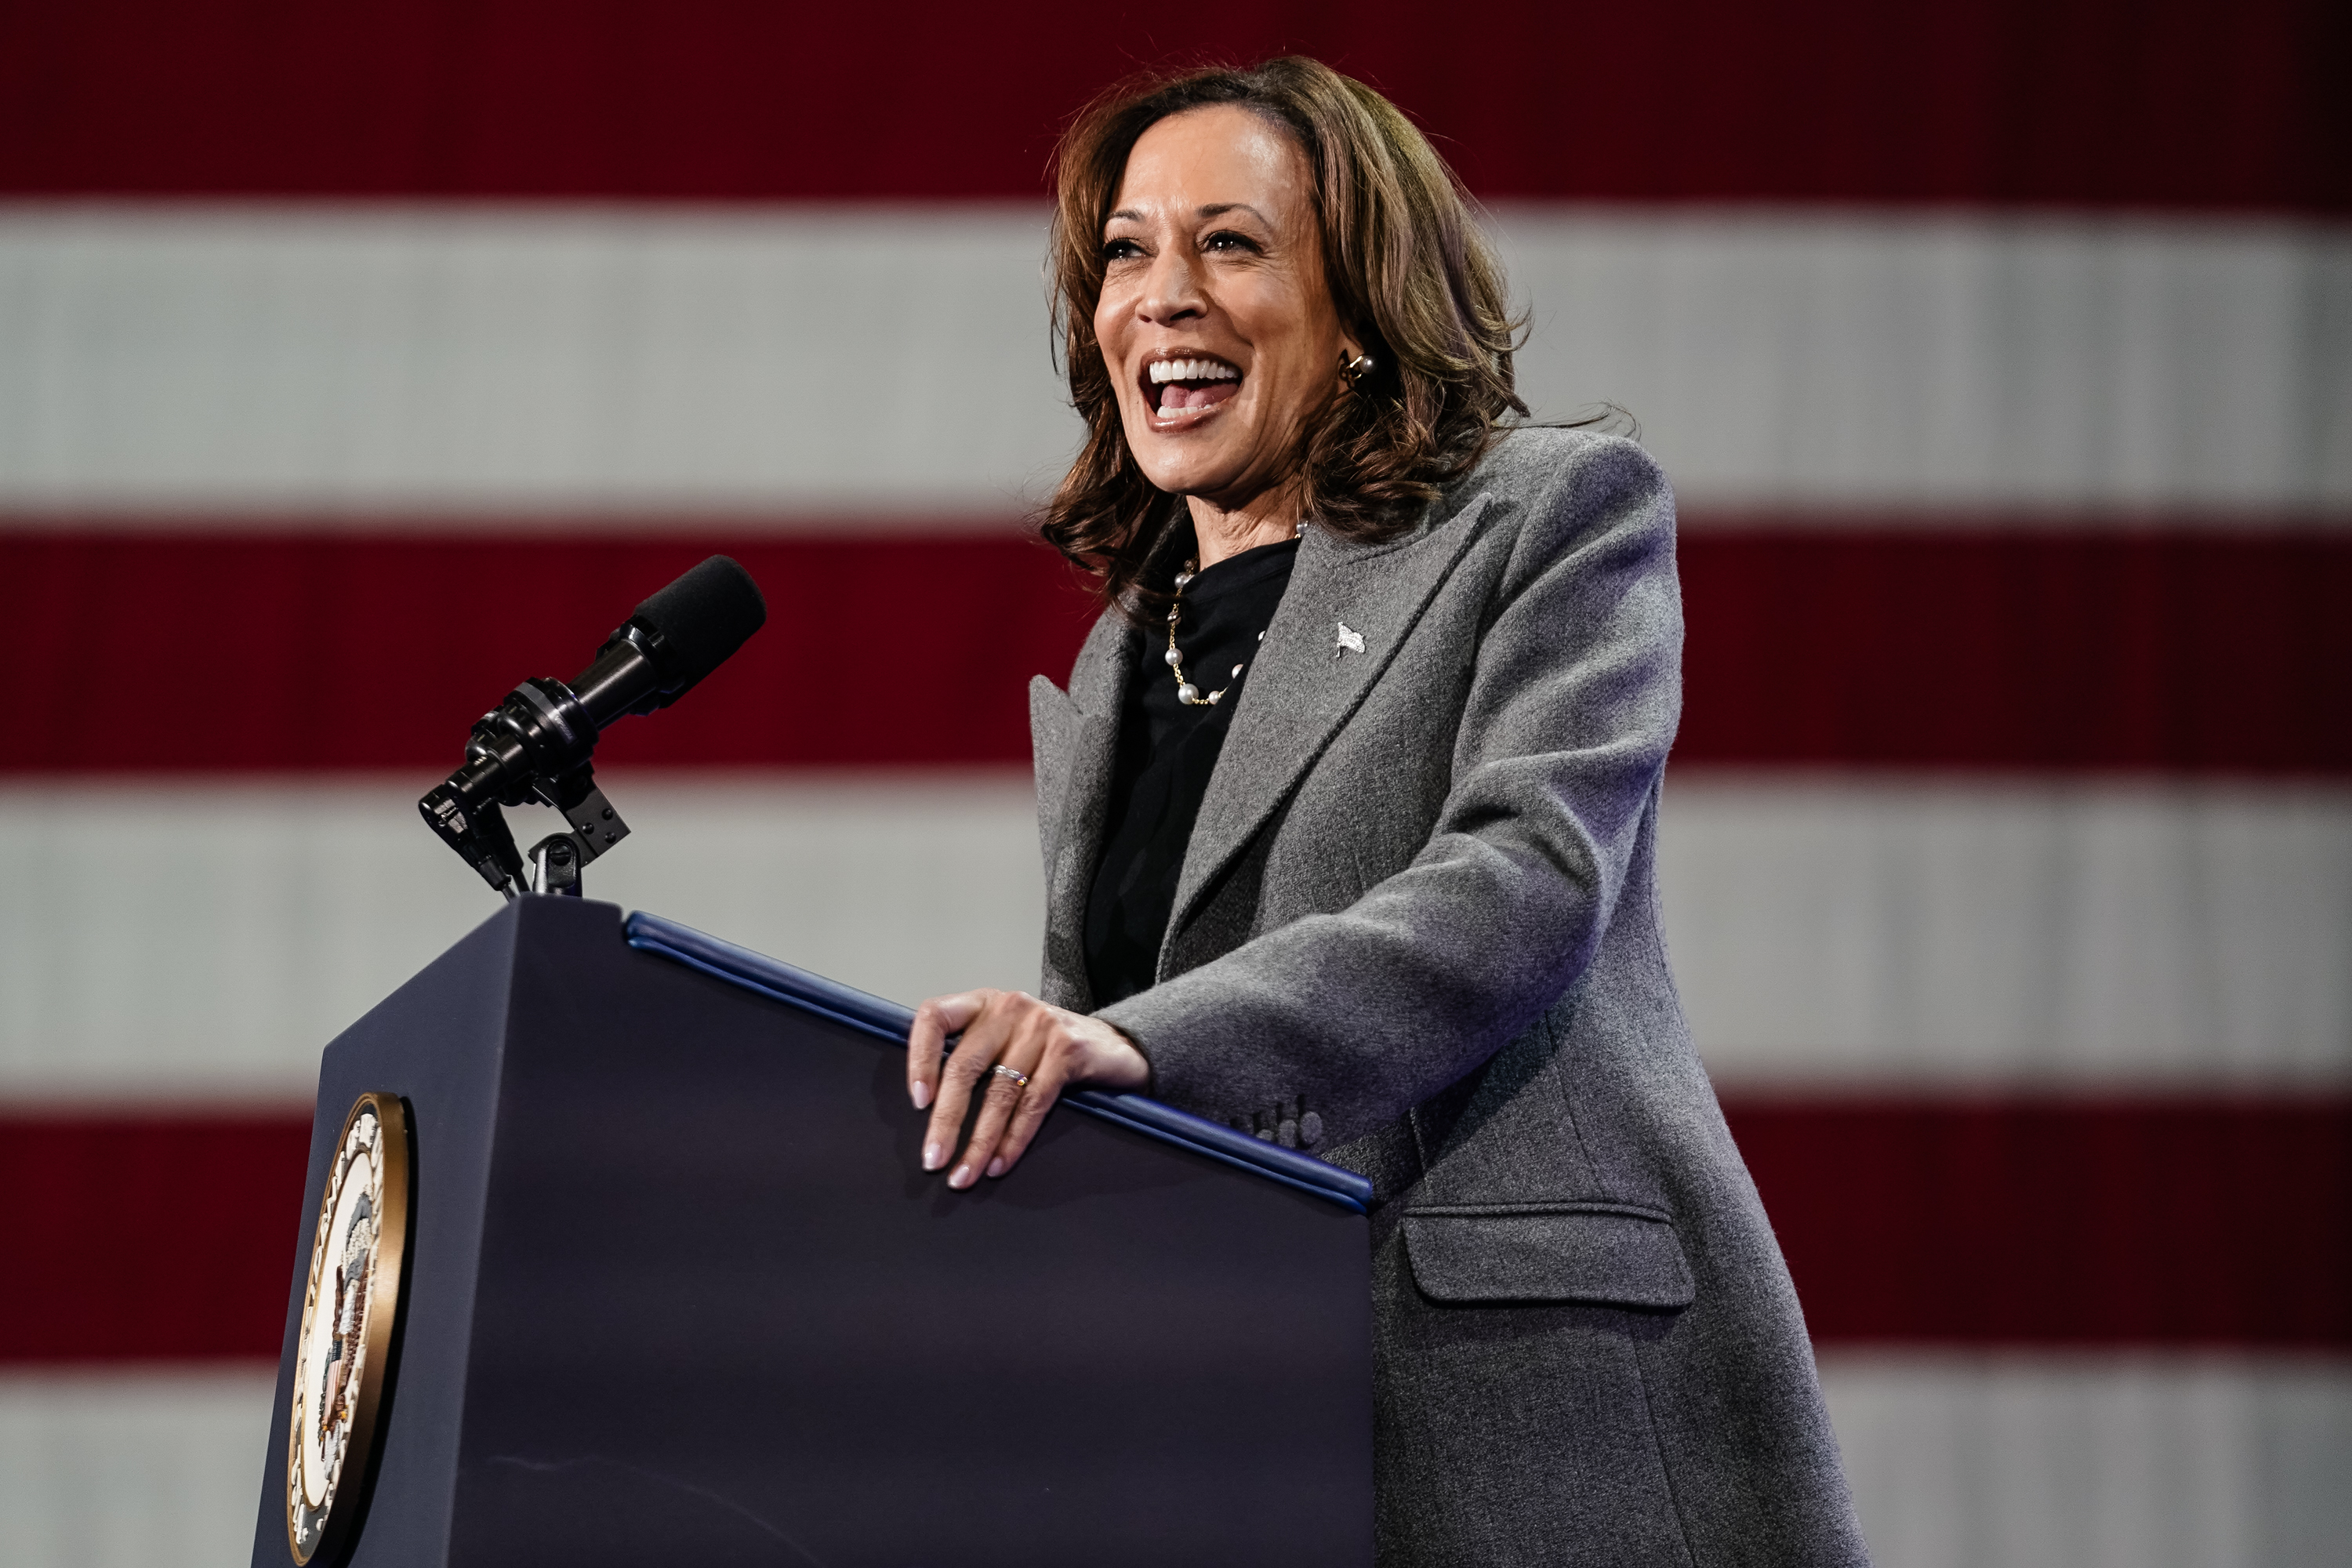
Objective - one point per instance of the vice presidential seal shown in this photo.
(347, 1318)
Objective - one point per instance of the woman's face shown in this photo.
(1214, 321)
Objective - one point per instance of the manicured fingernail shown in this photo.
(962, 1177)
(932, 1157)
(996, 1166)
(921, 1094)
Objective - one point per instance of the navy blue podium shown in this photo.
(677, 1293)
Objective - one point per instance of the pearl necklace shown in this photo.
(1186, 692)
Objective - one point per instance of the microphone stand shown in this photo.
(555, 867)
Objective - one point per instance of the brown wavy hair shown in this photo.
(1413, 279)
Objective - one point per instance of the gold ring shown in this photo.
(1020, 1080)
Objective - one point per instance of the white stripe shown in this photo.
(160, 943)
(106, 1469)
(813, 362)
(1991, 1461)
(602, 361)
(2134, 1461)
(1994, 934)
(1872, 359)
(209, 939)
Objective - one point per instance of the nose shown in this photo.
(1172, 292)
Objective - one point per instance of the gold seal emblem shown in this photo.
(348, 1312)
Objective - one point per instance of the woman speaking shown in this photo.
(1348, 819)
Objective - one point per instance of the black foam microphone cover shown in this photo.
(703, 617)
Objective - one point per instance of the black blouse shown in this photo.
(1167, 750)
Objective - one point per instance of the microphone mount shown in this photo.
(537, 745)
(540, 743)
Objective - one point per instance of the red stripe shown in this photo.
(2079, 102)
(2175, 651)
(317, 651)
(149, 1237)
(2178, 1223)
(2161, 1224)
(290, 652)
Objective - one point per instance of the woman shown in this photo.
(1349, 822)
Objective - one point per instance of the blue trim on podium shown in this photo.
(887, 1020)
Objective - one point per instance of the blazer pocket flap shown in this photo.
(1609, 1258)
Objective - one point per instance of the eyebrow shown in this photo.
(1215, 209)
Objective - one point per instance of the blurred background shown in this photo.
(356, 362)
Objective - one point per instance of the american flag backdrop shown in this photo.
(357, 361)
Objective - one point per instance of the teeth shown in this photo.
(1167, 370)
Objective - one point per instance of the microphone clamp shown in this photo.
(537, 745)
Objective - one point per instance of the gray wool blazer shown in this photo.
(1416, 932)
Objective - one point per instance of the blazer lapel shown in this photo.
(1075, 739)
(1309, 676)
(1054, 724)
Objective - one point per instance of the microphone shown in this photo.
(538, 745)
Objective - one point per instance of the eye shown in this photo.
(1120, 250)
(1225, 239)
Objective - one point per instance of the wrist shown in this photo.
(1122, 1064)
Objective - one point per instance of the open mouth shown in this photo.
(1184, 386)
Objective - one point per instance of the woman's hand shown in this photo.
(1045, 1049)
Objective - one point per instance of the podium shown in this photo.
(675, 1291)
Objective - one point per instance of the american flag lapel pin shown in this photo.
(1348, 641)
